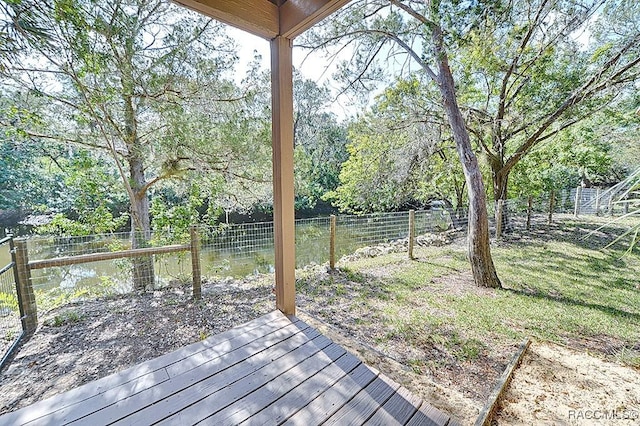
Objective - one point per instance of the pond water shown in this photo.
(240, 250)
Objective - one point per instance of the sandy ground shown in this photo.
(556, 385)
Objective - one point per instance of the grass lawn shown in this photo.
(428, 314)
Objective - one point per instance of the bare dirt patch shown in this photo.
(462, 283)
(561, 386)
(81, 342)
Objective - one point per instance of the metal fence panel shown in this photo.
(10, 322)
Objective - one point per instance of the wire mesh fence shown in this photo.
(59, 284)
(238, 250)
(10, 323)
(234, 250)
(353, 232)
(519, 213)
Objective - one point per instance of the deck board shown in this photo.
(196, 380)
(397, 410)
(273, 370)
(299, 397)
(81, 394)
(428, 416)
(331, 400)
(358, 410)
(213, 402)
(223, 355)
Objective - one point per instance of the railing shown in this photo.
(24, 268)
(51, 268)
(11, 324)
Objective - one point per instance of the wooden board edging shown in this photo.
(484, 419)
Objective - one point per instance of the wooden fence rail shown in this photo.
(97, 257)
(23, 267)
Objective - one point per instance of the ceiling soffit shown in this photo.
(267, 18)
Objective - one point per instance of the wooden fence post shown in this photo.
(552, 202)
(529, 207)
(412, 232)
(332, 242)
(610, 206)
(499, 208)
(26, 296)
(598, 201)
(195, 262)
(578, 202)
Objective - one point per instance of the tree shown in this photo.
(526, 76)
(365, 22)
(19, 160)
(319, 142)
(109, 70)
(400, 154)
(522, 74)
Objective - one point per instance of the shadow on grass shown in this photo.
(586, 235)
(573, 302)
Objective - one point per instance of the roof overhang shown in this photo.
(267, 18)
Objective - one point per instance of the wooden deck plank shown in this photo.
(397, 410)
(191, 398)
(330, 401)
(298, 396)
(96, 402)
(273, 390)
(273, 370)
(215, 402)
(214, 351)
(78, 395)
(198, 377)
(428, 416)
(365, 403)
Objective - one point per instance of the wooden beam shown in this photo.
(259, 17)
(297, 16)
(283, 192)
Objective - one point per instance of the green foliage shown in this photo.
(65, 318)
(399, 155)
(171, 223)
(366, 179)
(130, 75)
(577, 155)
(98, 221)
(320, 143)
(8, 301)
(521, 76)
(90, 200)
(25, 181)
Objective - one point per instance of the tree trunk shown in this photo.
(482, 267)
(500, 179)
(143, 270)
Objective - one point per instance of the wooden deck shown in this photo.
(272, 370)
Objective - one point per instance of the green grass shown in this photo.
(65, 318)
(556, 286)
